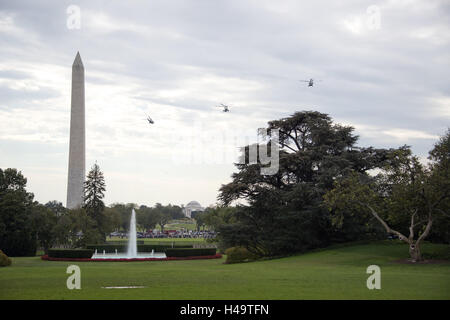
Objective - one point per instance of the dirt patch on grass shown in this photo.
(426, 261)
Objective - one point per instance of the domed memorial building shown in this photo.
(191, 208)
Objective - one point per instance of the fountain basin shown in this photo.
(123, 258)
(156, 255)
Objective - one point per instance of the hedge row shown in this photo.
(190, 252)
(71, 253)
(111, 248)
(216, 256)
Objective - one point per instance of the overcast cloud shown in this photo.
(177, 60)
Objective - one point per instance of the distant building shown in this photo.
(191, 208)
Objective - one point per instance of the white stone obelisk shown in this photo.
(77, 137)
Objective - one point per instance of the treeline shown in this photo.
(146, 217)
(26, 224)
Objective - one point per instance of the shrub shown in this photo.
(18, 244)
(190, 252)
(239, 254)
(4, 260)
(71, 253)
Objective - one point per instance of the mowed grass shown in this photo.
(338, 273)
(178, 225)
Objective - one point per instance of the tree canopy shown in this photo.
(285, 211)
(405, 197)
(17, 237)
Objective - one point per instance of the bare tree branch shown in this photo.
(411, 227)
(290, 136)
(427, 230)
(285, 145)
(385, 225)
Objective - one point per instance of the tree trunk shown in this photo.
(414, 252)
(414, 248)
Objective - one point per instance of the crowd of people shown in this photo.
(169, 234)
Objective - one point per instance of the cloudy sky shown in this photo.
(384, 67)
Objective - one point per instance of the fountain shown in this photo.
(132, 241)
(132, 252)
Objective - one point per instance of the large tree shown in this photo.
(66, 231)
(57, 207)
(219, 216)
(113, 219)
(44, 222)
(285, 212)
(17, 237)
(147, 218)
(84, 228)
(124, 211)
(405, 198)
(163, 215)
(440, 168)
(199, 218)
(94, 188)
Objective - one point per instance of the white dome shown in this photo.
(192, 207)
(193, 204)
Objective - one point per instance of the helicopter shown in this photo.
(310, 82)
(150, 120)
(225, 107)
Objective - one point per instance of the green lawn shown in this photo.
(178, 224)
(338, 273)
(181, 224)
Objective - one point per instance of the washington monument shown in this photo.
(77, 137)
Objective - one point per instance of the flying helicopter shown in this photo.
(310, 82)
(150, 120)
(225, 107)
